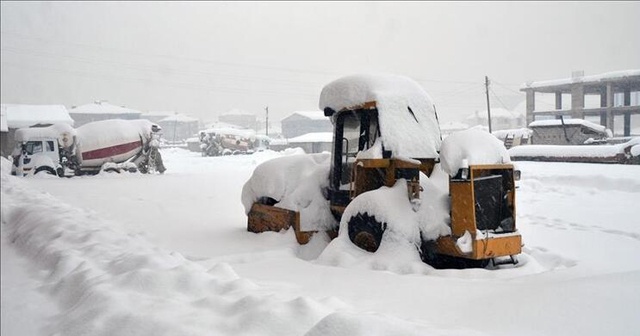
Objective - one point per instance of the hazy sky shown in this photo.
(205, 58)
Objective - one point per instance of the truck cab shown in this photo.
(36, 155)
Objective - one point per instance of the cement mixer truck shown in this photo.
(108, 145)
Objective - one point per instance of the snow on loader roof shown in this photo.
(404, 108)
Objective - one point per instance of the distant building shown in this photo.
(101, 110)
(303, 122)
(178, 127)
(317, 142)
(566, 132)
(240, 118)
(618, 92)
(500, 119)
(450, 127)
(155, 116)
(14, 116)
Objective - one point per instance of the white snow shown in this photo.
(103, 107)
(133, 254)
(19, 116)
(313, 115)
(571, 121)
(613, 75)
(179, 118)
(590, 151)
(296, 182)
(394, 96)
(471, 147)
(313, 137)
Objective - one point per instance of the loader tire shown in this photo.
(366, 232)
(45, 169)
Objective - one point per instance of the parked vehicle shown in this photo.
(110, 145)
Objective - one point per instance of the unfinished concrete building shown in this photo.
(615, 90)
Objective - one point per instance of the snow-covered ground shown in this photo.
(169, 254)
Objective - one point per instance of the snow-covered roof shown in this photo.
(558, 122)
(18, 116)
(313, 137)
(313, 115)
(179, 118)
(237, 111)
(103, 107)
(157, 114)
(608, 76)
(408, 122)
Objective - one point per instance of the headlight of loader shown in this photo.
(516, 175)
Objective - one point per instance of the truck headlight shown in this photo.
(516, 175)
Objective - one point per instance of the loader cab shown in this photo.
(355, 130)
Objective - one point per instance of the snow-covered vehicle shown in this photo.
(109, 145)
(391, 178)
(227, 141)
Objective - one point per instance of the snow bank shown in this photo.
(471, 147)
(585, 151)
(106, 282)
(297, 183)
(408, 121)
(110, 283)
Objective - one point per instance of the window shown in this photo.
(50, 147)
(32, 147)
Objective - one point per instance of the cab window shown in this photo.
(32, 147)
(50, 147)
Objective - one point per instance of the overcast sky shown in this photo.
(203, 59)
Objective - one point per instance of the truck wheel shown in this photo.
(46, 169)
(366, 232)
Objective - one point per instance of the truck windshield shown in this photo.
(32, 147)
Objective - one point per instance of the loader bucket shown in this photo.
(263, 217)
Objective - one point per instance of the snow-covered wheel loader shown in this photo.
(391, 175)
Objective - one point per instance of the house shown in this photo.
(178, 127)
(500, 119)
(316, 142)
(155, 116)
(566, 132)
(101, 110)
(303, 122)
(16, 116)
(240, 118)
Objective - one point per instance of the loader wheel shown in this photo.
(366, 232)
(46, 169)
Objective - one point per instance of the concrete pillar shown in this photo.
(610, 106)
(531, 105)
(558, 100)
(577, 101)
(627, 115)
(603, 103)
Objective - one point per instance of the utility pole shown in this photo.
(267, 126)
(486, 85)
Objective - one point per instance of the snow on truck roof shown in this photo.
(407, 116)
(53, 131)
